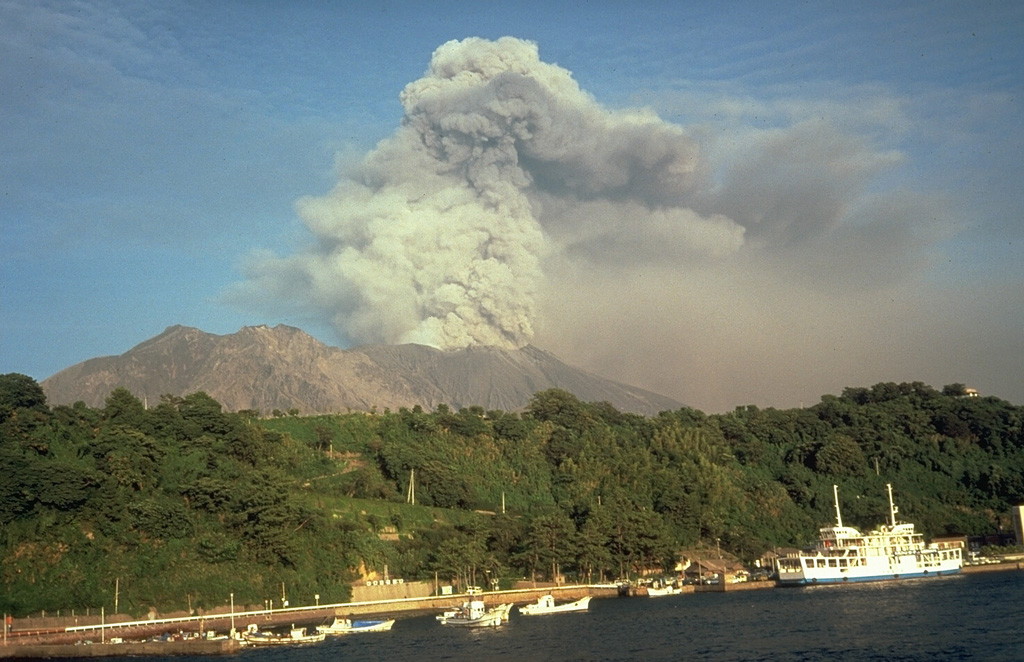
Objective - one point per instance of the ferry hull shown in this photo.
(814, 581)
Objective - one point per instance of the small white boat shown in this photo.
(346, 626)
(546, 605)
(254, 637)
(446, 614)
(653, 592)
(475, 614)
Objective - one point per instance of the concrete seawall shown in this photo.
(435, 604)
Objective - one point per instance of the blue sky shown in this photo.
(850, 212)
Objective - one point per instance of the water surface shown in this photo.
(968, 617)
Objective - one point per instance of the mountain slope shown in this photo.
(285, 368)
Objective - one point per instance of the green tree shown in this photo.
(203, 414)
(592, 553)
(553, 537)
(324, 437)
(559, 407)
(840, 456)
(123, 408)
(19, 391)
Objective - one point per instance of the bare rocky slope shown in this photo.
(285, 368)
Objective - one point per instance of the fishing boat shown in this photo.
(347, 626)
(892, 551)
(475, 614)
(655, 592)
(546, 605)
(506, 610)
(253, 636)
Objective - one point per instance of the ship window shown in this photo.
(821, 563)
(842, 563)
(832, 563)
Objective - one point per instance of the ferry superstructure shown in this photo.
(892, 551)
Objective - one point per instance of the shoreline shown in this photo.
(75, 642)
(992, 567)
(132, 649)
(27, 642)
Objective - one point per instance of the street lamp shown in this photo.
(232, 614)
(719, 547)
(317, 598)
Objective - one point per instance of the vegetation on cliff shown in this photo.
(182, 504)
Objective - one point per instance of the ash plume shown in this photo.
(440, 235)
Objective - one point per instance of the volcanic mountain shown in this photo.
(286, 369)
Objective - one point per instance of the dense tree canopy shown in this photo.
(172, 504)
(177, 502)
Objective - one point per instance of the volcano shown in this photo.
(285, 369)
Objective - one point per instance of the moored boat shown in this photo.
(891, 551)
(546, 605)
(474, 613)
(253, 636)
(347, 626)
(506, 610)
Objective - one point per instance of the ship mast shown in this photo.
(839, 517)
(892, 507)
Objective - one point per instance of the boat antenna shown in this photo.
(892, 507)
(839, 516)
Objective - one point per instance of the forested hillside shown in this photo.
(182, 504)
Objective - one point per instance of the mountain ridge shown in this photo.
(284, 368)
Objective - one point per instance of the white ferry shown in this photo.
(892, 551)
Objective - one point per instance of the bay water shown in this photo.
(966, 617)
